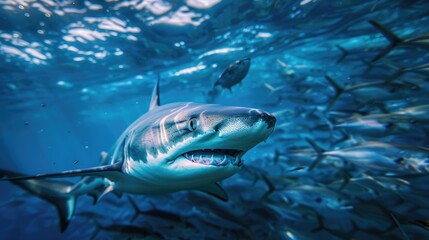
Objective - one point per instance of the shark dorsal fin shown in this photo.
(215, 190)
(154, 102)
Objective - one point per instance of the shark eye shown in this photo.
(192, 124)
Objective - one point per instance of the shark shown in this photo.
(173, 147)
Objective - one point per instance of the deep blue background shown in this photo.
(96, 64)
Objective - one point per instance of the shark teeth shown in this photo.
(215, 157)
(224, 161)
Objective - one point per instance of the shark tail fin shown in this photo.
(338, 91)
(319, 152)
(54, 192)
(344, 52)
(389, 35)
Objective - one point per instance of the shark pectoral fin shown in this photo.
(215, 190)
(108, 171)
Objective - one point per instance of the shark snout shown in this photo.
(257, 115)
(269, 119)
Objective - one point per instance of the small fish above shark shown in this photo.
(174, 147)
(231, 76)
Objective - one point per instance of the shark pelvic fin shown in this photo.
(154, 102)
(215, 190)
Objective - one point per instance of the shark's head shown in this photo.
(185, 145)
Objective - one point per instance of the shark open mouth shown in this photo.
(215, 157)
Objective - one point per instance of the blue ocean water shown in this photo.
(347, 81)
